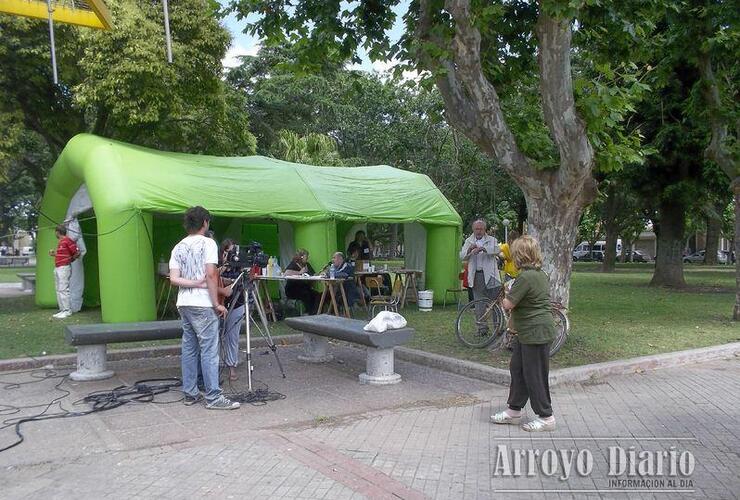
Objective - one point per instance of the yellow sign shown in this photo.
(90, 13)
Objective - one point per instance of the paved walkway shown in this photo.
(10, 290)
(428, 437)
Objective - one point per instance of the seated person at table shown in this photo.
(302, 290)
(343, 270)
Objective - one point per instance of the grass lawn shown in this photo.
(26, 330)
(616, 316)
(612, 316)
(9, 274)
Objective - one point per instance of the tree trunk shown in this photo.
(623, 256)
(394, 241)
(610, 252)
(669, 234)
(714, 227)
(555, 227)
(612, 232)
(736, 312)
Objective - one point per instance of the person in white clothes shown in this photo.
(193, 268)
(481, 251)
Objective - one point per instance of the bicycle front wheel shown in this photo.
(562, 327)
(481, 327)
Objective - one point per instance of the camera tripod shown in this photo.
(245, 285)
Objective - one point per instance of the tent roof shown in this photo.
(254, 187)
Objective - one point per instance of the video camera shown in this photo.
(241, 257)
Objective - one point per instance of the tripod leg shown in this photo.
(259, 306)
(266, 332)
(249, 334)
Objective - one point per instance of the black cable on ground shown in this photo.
(258, 397)
(142, 391)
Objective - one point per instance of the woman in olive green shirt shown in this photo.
(529, 303)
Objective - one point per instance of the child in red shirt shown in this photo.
(65, 253)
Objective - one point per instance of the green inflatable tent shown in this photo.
(136, 197)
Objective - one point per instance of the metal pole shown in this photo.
(167, 31)
(51, 38)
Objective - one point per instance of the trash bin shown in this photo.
(426, 298)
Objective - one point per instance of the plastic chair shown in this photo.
(455, 291)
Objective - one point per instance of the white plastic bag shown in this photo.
(385, 320)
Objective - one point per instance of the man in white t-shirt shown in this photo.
(193, 268)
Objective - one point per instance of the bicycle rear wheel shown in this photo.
(562, 327)
(480, 332)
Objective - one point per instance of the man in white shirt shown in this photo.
(193, 268)
(480, 251)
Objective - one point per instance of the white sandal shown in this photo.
(504, 418)
(539, 425)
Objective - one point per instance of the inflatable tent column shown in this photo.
(126, 266)
(443, 264)
(319, 238)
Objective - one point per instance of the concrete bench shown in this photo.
(29, 281)
(92, 340)
(13, 261)
(379, 365)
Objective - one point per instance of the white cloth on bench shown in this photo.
(385, 320)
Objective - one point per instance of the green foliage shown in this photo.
(374, 120)
(591, 227)
(311, 149)
(605, 102)
(673, 117)
(117, 83)
(607, 40)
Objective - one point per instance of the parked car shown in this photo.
(582, 252)
(637, 256)
(698, 257)
(27, 251)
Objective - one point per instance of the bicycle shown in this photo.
(489, 329)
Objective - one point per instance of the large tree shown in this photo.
(691, 115)
(506, 75)
(715, 24)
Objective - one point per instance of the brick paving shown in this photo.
(333, 438)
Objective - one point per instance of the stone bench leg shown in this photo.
(315, 349)
(91, 363)
(379, 369)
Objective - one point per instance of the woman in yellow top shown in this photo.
(509, 265)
